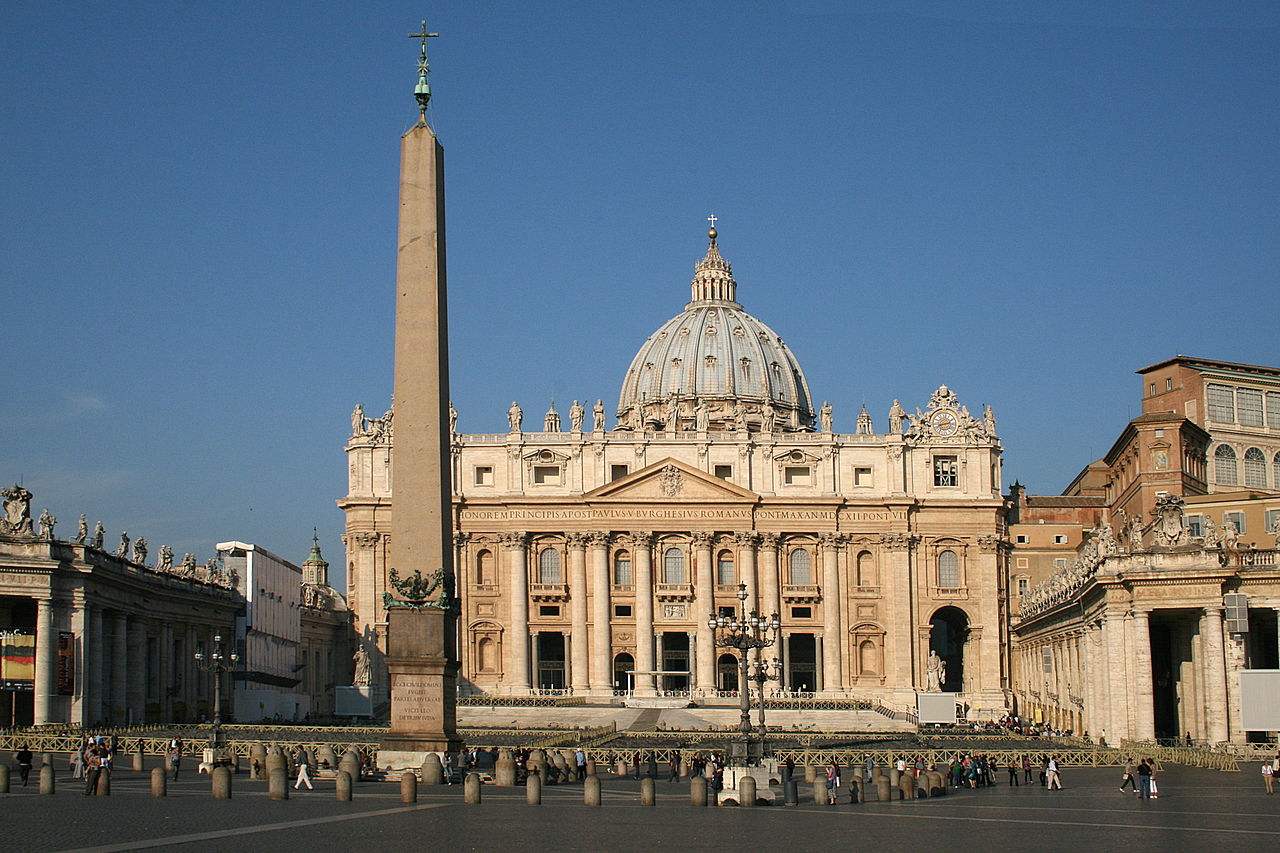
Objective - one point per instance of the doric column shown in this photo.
(1215, 674)
(580, 678)
(119, 667)
(746, 540)
(643, 546)
(1143, 692)
(1117, 692)
(832, 640)
(166, 672)
(770, 597)
(46, 686)
(517, 669)
(704, 666)
(189, 686)
(94, 678)
(601, 616)
(136, 691)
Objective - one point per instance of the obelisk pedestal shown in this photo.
(423, 681)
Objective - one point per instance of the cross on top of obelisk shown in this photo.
(422, 92)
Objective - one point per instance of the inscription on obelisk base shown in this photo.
(423, 717)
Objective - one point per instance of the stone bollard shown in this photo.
(342, 790)
(591, 767)
(220, 781)
(533, 790)
(274, 761)
(810, 773)
(933, 783)
(327, 758)
(504, 769)
(591, 791)
(942, 785)
(471, 789)
(884, 791)
(104, 783)
(570, 765)
(895, 777)
(698, 791)
(876, 773)
(46, 759)
(277, 784)
(820, 796)
(159, 782)
(684, 768)
(620, 768)
(791, 792)
(908, 786)
(137, 760)
(747, 791)
(350, 764)
(432, 770)
(257, 761)
(648, 796)
(408, 787)
(4, 778)
(556, 761)
(46, 779)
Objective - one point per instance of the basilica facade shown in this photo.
(590, 555)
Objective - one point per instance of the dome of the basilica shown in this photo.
(715, 367)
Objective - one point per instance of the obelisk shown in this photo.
(421, 657)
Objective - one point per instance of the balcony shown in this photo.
(673, 592)
(549, 592)
(801, 594)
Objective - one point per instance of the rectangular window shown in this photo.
(617, 472)
(1194, 524)
(1059, 539)
(1168, 384)
(724, 472)
(622, 610)
(1153, 390)
(862, 477)
(1273, 409)
(1023, 583)
(1273, 520)
(1021, 539)
(1249, 407)
(1236, 518)
(546, 475)
(802, 613)
(1222, 404)
(549, 610)
(1046, 658)
(726, 611)
(1060, 562)
(796, 475)
(945, 472)
(484, 475)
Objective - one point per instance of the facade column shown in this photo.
(704, 666)
(1235, 663)
(818, 671)
(786, 661)
(601, 615)
(832, 631)
(580, 679)
(746, 540)
(136, 692)
(46, 681)
(1215, 674)
(517, 670)
(94, 676)
(1143, 689)
(770, 597)
(642, 542)
(1114, 648)
(899, 586)
(119, 667)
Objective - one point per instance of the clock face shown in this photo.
(944, 422)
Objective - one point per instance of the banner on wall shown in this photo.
(66, 663)
(17, 660)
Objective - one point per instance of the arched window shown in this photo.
(800, 570)
(1275, 470)
(622, 569)
(948, 570)
(1255, 468)
(549, 566)
(1224, 466)
(724, 569)
(866, 568)
(484, 568)
(868, 658)
(673, 566)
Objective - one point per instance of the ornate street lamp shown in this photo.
(218, 661)
(745, 632)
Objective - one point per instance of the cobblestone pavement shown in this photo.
(1197, 810)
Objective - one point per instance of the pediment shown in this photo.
(671, 480)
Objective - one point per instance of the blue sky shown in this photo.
(1025, 201)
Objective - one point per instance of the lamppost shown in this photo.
(218, 661)
(744, 632)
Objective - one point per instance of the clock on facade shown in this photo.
(944, 422)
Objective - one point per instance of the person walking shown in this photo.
(304, 776)
(1268, 777)
(1144, 780)
(1026, 768)
(93, 769)
(175, 759)
(24, 764)
(1053, 777)
(1013, 772)
(1128, 779)
(673, 768)
(833, 782)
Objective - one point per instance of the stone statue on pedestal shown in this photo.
(99, 534)
(363, 674)
(896, 416)
(47, 521)
(453, 419)
(140, 551)
(122, 551)
(357, 420)
(935, 672)
(597, 415)
(824, 416)
(83, 532)
(515, 416)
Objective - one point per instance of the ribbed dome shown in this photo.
(717, 355)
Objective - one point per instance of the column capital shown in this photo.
(641, 538)
(700, 539)
(831, 541)
(576, 541)
(598, 539)
(513, 540)
(896, 541)
(460, 538)
(769, 541)
(746, 538)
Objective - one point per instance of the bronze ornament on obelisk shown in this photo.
(422, 619)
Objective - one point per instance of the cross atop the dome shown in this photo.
(712, 219)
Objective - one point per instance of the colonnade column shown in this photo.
(579, 678)
(119, 667)
(832, 642)
(136, 692)
(1215, 674)
(704, 668)
(517, 671)
(1143, 695)
(768, 571)
(746, 540)
(93, 678)
(601, 631)
(166, 671)
(46, 686)
(1114, 645)
(642, 542)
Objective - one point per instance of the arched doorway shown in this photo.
(622, 664)
(949, 630)
(727, 673)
